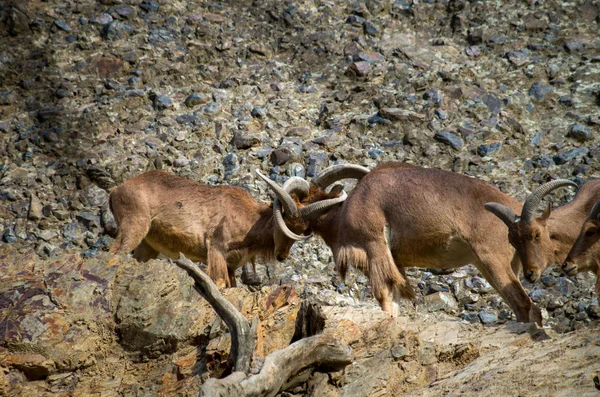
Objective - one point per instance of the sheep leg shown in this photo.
(217, 266)
(388, 280)
(515, 263)
(504, 280)
(144, 252)
(231, 275)
(131, 233)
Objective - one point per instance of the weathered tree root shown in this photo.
(315, 351)
(243, 334)
(319, 350)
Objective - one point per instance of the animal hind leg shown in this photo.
(231, 276)
(388, 281)
(503, 279)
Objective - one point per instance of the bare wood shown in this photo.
(321, 351)
(243, 333)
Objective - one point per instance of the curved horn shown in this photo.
(337, 172)
(292, 185)
(321, 205)
(505, 214)
(281, 223)
(533, 201)
(297, 185)
(593, 213)
(288, 203)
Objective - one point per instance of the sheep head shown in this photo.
(529, 233)
(582, 257)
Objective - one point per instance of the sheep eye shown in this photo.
(537, 235)
(589, 233)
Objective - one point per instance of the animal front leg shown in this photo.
(217, 266)
(502, 277)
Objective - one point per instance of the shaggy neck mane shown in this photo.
(326, 226)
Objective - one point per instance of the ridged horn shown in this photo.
(297, 185)
(292, 185)
(534, 199)
(286, 200)
(505, 214)
(281, 223)
(338, 172)
(322, 205)
(593, 213)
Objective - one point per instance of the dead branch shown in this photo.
(316, 351)
(321, 351)
(243, 334)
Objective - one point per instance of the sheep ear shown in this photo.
(544, 217)
(505, 214)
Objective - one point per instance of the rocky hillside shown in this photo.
(94, 92)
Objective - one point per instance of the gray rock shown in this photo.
(211, 108)
(231, 164)
(434, 96)
(542, 161)
(122, 10)
(196, 99)
(450, 139)
(566, 156)
(62, 25)
(399, 352)
(488, 150)
(518, 58)
(89, 220)
(149, 5)
(259, 112)
(181, 162)
(116, 30)
(162, 102)
(370, 28)
(370, 57)
(441, 301)
(397, 114)
(242, 140)
(101, 19)
(17, 21)
(539, 90)
(9, 236)
(478, 284)
(493, 103)
(487, 316)
(573, 46)
(35, 208)
(359, 69)
(580, 133)
(441, 114)
(7, 98)
(593, 310)
(565, 286)
(315, 162)
(296, 169)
